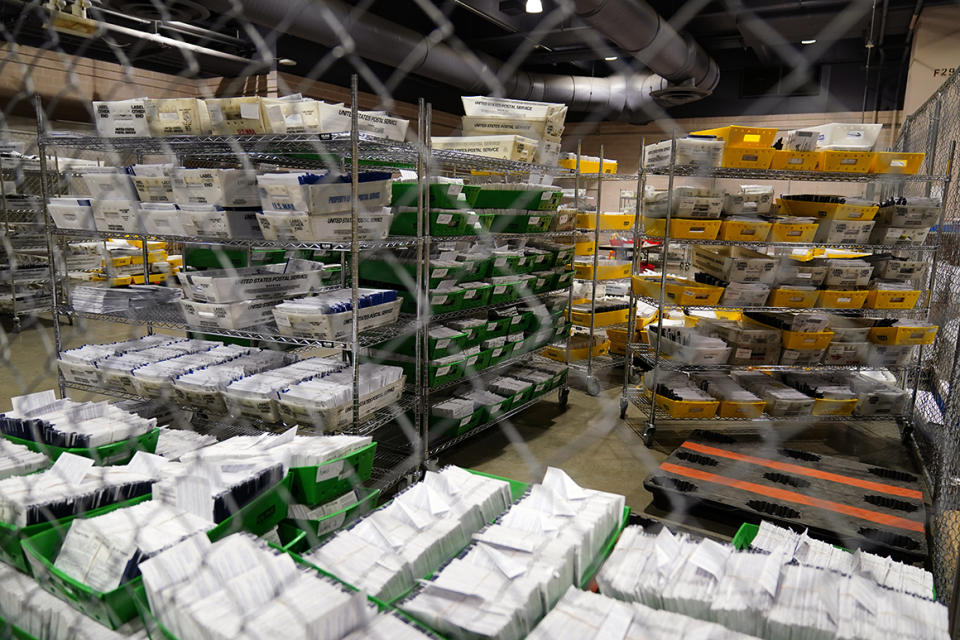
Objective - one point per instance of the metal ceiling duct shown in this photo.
(333, 23)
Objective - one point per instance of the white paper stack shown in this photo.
(173, 443)
(43, 418)
(240, 588)
(104, 551)
(585, 615)
(25, 604)
(520, 567)
(18, 460)
(256, 395)
(290, 449)
(424, 526)
(746, 591)
(71, 486)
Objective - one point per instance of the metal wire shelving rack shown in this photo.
(650, 356)
(588, 369)
(346, 152)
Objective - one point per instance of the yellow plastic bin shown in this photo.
(897, 162)
(846, 161)
(608, 221)
(840, 299)
(892, 299)
(903, 335)
(745, 410)
(688, 408)
(744, 230)
(786, 231)
(794, 160)
(737, 136)
(806, 340)
(682, 292)
(827, 210)
(829, 407)
(682, 228)
(793, 298)
(746, 157)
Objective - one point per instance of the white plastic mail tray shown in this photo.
(294, 320)
(177, 117)
(117, 216)
(221, 187)
(283, 192)
(72, 213)
(228, 315)
(295, 277)
(166, 219)
(122, 118)
(213, 222)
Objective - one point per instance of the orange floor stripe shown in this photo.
(805, 471)
(797, 498)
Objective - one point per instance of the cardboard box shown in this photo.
(735, 264)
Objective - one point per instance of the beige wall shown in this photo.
(624, 142)
(934, 56)
(69, 83)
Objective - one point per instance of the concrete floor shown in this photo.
(589, 440)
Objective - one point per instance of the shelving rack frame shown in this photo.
(909, 376)
(391, 465)
(588, 369)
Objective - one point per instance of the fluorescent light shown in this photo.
(534, 6)
(610, 58)
(287, 62)
(807, 41)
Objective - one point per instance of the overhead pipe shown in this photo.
(333, 23)
(637, 29)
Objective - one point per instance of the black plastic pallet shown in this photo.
(847, 503)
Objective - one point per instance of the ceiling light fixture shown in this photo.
(287, 62)
(807, 41)
(610, 58)
(534, 6)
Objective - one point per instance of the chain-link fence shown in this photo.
(225, 220)
(934, 129)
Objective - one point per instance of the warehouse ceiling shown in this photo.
(755, 43)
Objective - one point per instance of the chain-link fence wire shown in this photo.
(934, 129)
(69, 72)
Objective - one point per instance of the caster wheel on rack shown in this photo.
(906, 430)
(593, 387)
(623, 408)
(564, 396)
(648, 435)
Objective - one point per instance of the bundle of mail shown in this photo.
(788, 586)
(105, 551)
(70, 487)
(517, 569)
(42, 615)
(18, 460)
(387, 551)
(174, 443)
(239, 587)
(591, 616)
(41, 417)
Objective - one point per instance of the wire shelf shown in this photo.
(641, 401)
(447, 444)
(608, 361)
(806, 176)
(371, 150)
(170, 316)
(865, 313)
(226, 425)
(794, 245)
(389, 469)
(672, 365)
(364, 245)
(511, 360)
